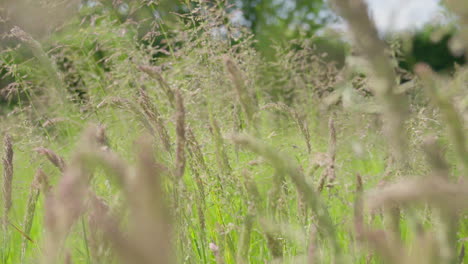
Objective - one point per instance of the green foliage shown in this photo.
(433, 45)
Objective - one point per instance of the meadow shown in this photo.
(202, 150)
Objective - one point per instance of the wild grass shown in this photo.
(215, 154)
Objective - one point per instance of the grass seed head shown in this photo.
(7, 177)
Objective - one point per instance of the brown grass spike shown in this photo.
(52, 157)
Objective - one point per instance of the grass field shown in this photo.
(203, 151)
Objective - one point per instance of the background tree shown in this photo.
(432, 45)
(280, 21)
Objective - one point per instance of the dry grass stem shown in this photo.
(181, 138)
(221, 156)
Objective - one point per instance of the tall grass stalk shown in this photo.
(369, 44)
(155, 73)
(152, 113)
(452, 118)
(244, 97)
(283, 165)
(31, 211)
(7, 180)
(7, 191)
(181, 137)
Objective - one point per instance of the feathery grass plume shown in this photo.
(452, 117)
(31, 210)
(7, 180)
(55, 159)
(366, 37)
(245, 99)
(221, 156)
(197, 163)
(152, 113)
(129, 106)
(44, 61)
(195, 150)
(299, 119)
(180, 139)
(155, 73)
(285, 166)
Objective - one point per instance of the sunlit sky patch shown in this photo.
(397, 15)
